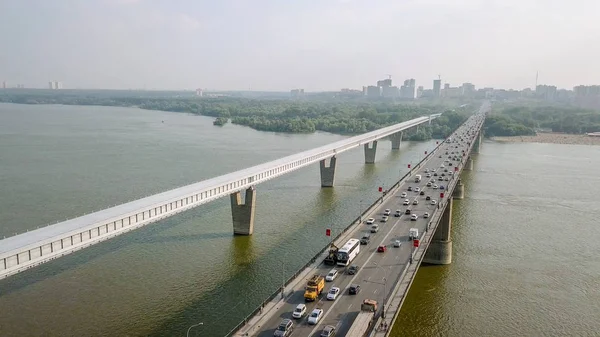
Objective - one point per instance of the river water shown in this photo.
(525, 240)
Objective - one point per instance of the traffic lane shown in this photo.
(343, 281)
(388, 265)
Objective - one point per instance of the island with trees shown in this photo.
(277, 115)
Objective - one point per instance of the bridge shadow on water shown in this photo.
(147, 235)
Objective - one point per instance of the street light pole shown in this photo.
(384, 295)
(190, 328)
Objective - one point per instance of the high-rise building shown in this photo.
(199, 92)
(3, 84)
(385, 83)
(50, 85)
(373, 91)
(408, 89)
(468, 89)
(437, 88)
(55, 85)
(297, 92)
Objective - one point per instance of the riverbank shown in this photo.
(552, 138)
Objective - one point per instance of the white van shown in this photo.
(413, 233)
(418, 178)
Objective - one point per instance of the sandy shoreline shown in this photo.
(552, 138)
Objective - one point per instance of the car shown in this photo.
(299, 311)
(422, 193)
(447, 179)
(415, 202)
(315, 316)
(445, 170)
(381, 249)
(433, 202)
(440, 156)
(398, 213)
(414, 217)
(333, 293)
(370, 221)
(443, 174)
(426, 170)
(387, 212)
(428, 197)
(374, 228)
(406, 202)
(428, 175)
(429, 184)
(434, 187)
(407, 211)
(284, 329)
(440, 179)
(328, 331)
(353, 269)
(384, 219)
(417, 189)
(442, 166)
(410, 188)
(441, 187)
(403, 195)
(331, 275)
(435, 174)
(426, 215)
(397, 243)
(354, 289)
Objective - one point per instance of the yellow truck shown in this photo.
(314, 287)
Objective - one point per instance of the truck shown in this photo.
(413, 233)
(364, 320)
(314, 287)
(418, 178)
(331, 258)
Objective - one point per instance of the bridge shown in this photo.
(382, 276)
(26, 250)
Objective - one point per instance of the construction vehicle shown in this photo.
(314, 287)
(364, 320)
(331, 258)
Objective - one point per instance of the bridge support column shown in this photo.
(327, 172)
(459, 190)
(469, 164)
(243, 213)
(477, 144)
(440, 248)
(396, 140)
(370, 152)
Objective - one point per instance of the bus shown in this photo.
(348, 252)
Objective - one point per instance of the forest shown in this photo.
(515, 120)
(276, 115)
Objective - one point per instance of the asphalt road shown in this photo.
(379, 271)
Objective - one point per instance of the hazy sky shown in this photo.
(285, 44)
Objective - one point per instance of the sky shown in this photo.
(278, 45)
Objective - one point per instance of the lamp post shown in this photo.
(190, 328)
(384, 295)
(360, 211)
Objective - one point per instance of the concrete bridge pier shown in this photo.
(370, 152)
(459, 190)
(477, 144)
(440, 248)
(327, 172)
(243, 213)
(469, 164)
(396, 140)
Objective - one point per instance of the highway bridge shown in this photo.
(26, 250)
(384, 276)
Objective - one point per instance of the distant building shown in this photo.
(420, 91)
(199, 92)
(297, 92)
(385, 83)
(546, 92)
(373, 91)
(437, 88)
(3, 84)
(408, 89)
(55, 85)
(390, 92)
(468, 89)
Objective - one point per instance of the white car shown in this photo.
(397, 243)
(387, 212)
(370, 221)
(426, 170)
(315, 316)
(403, 195)
(435, 187)
(414, 217)
(433, 202)
(406, 202)
(384, 218)
(332, 294)
(442, 166)
(428, 175)
(332, 275)
(299, 311)
(429, 184)
(426, 215)
(415, 202)
(417, 189)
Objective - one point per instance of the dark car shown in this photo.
(422, 193)
(353, 269)
(428, 197)
(407, 211)
(410, 188)
(354, 289)
(382, 249)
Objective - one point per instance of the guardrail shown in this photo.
(356, 221)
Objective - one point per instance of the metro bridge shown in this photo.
(26, 250)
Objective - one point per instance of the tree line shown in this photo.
(282, 115)
(514, 120)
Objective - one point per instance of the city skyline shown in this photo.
(315, 45)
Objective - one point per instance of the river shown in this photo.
(525, 242)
